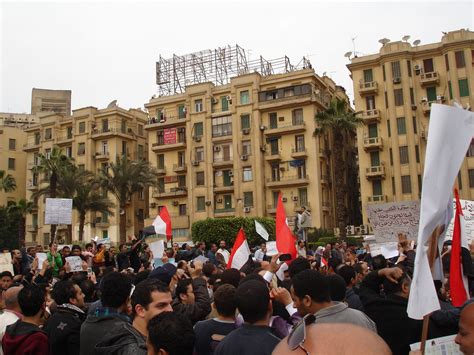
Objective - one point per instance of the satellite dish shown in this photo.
(112, 104)
(348, 54)
(384, 41)
(405, 38)
(417, 42)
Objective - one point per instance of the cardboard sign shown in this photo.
(75, 262)
(41, 258)
(58, 211)
(6, 262)
(169, 135)
(272, 248)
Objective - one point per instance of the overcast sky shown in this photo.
(104, 51)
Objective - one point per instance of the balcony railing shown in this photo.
(224, 210)
(429, 78)
(112, 131)
(373, 143)
(377, 198)
(370, 115)
(287, 180)
(368, 87)
(375, 171)
(286, 128)
(179, 167)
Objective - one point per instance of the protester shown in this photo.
(12, 311)
(192, 299)
(465, 336)
(6, 278)
(170, 334)
(222, 254)
(351, 298)
(54, 259)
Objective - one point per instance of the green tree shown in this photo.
(7, 182)
(342, 122)
(123, 179)
(9, 227)
(22, 208)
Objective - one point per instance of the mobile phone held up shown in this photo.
(284, 257)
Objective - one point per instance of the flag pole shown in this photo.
(432, 253)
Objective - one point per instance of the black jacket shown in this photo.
(122, 340)
(202, 305)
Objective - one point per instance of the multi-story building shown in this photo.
(46, 100)
(229, 150)
(19, 120)
(394, 90)
(93, 138)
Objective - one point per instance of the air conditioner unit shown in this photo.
(284, 199)
(197, 138)
(357, 230)
(219, 200)
(424, 99)
(397, 80)
(294, 198)
(217, 148)
(417, 67)
(440, 98)
(246, 131)
(246, 209)
(208, 203)
(152, 205)
(350, 230)
(175, 203)
(337, 232)
(364, 229)
(229, 99)
(231, 173)
(214, 100)
(243, 157)
(263, 149)
(413, 107)
(262, 128)
(195, 163)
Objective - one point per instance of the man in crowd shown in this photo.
(465, 336)
(211, 254)
(12, 311)
(222, 253)
(261, 253)
(255, 336)
(6, 278)
(24, 336)
(351, 298)
(170, 334)
(210, 332)
(64, 326)
(311, 294)
(192, 299)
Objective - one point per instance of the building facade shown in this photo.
(394, 90)
(93, 138)
(46, 100)
(229, 150)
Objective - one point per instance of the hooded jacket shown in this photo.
(122, 340)
(26, 339)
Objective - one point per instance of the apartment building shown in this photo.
(229, 150)
(47, 100)
(394, 90)
(93, 138)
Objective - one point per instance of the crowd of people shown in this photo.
(336, 299)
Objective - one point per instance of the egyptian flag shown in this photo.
(285, 240)
(162, 223)
(240, 252)
(457, 275)
(324, 262)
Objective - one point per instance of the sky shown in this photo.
(106, 51)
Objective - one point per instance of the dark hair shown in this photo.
(231, 276)
(298, 265)
(6, 273)
(379, 262)
(208, 269)
(142, 293)
(171, 332)
(358, 267)
(391, 288)
(225, 300)
(337, 287)
(142, 275)
(182, 287)
(31, 299)
(88, 288)
(63, 291)
(89, 245)
(347, 273)
(30, 248)
(51, 244)
(115, 289)
(181, 263)
(313, 284)
(249, 277)
(252, 300)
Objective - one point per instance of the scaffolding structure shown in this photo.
(217, 66)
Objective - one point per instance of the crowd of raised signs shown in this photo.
(102, 299)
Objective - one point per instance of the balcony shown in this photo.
(102, 224)
(273, 156)
(224, 188)
(33, 228)
(377, 199)
(288, 180)
(324, 153)
(162, 147)
(61, 140)
(161, 171)
(224, 212)
(102, 156)
(375, 172)
(223, 162)
(31, 146)
(31, 186)
(286, 128)
(271, 209)
(166, 121)
(370, 116)
(374, 143)
(429, 78)
(286, 101)
(179, 168)
(299, 153)
(370, 87)
(171, 192)
(325, 179)
(111, 132)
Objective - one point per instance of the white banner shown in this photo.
(58, 211)
(6, 262)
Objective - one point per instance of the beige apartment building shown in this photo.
(47, 100)
(394, 89)
(228, 150)
(93, 138)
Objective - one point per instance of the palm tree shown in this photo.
(23, 208)
(123, 179)
(7, 182)
(51, 165)
(342, 122)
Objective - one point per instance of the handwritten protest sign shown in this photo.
(75, 262)
(6, 262)
(41, 258)
(58, 211)
(389, 219)
(468, 211)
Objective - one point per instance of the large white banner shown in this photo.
(58, 211)
(389, 219)
(468, 212)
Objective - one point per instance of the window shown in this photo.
(459, 181)
(420, 183)
(446, 61)
(389, 130)
(37, 138)
(200, 178)
(273, 120)
(227, 178)
(161, 161)
(123, 126)
(401, 125)
(81, 167)
(198, 105)
(396, 72)
(383, 72)
(245, 121)
(11, 144)
(140, 130)
(472, 56)
(105, 125)
(124, 148)
(69, 152)
(370, 102)
(227, 201)
(471, 178)
(222, 126)
(181, 111)
(403, 154)
(409, 67)
(417, 153)
(11, 164)
(412, 97)
(391, 156)
(460, 62)
(248, 199)
(274, 146)
(393, 185)
(374, 159)
(105, 149)
(224, 103)
(246, 148)
(198, 129)
(368, 76)
(182, 209)
(199, 154)
(247, 175)
(160, 137)
(398, 94)
(81, 149)
(82, 127)
(141, 194)
(141, 152)
(428, 66)
(161, 185)
(244, 97)
(48, 134)
(200, 203)
(450, 89)
(406, 184)
(377, 187)
(69, 132)
(463, 88)
(301, 169)
(181, 159)
(373, 131)
(182, 135)
(275, 172)
(470, 151)
(299, 143)
(303, 196)
(181, 180)
(47, 153)
(431, 93)
(297, 117)
(415, 128)
(386, 99)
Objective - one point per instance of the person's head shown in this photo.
(202, 246)
(31, 299)
(379, 262)
(400, 288)
(100, 247)
(361, 269)
(310, 291)
(253, 301)
(222, 244)
(150, 298)
(164, 273)
(231, 276)
(16, 254)
(328, 247)
(326, 338)
(89, 247)
(348, 274)
(208, 269)
(65, 251)
(465, 336)
(170, 333)
(185, 292)
(88, 289)
(66, 291)
(76, 250)
(115, 290)
(263, 246)
(31, 251)
(10, 298)
(337, 287)
(301, 244)
(350, 255)
(225, 300)
(6, 278)
(112, 250)
(298, 265)
(53, 247)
